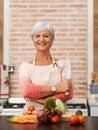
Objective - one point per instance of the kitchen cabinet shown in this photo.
(93, 107)
(94, 110)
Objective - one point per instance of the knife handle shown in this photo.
(67, 93)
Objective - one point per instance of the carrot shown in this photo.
(24, 119)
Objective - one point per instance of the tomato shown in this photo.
(55, 119)
(81, 119)
(31, 108)
(74, 119)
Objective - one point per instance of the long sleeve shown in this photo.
(64, 97)
(28, 89)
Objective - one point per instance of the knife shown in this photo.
(68, 71)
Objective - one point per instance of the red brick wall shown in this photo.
(69, 19)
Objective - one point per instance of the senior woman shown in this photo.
(44, 75)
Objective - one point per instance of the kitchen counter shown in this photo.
(90, 124)
(11, 112)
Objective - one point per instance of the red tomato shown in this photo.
(74, 119)
(55, 119)
(31, 108)
(81, 119)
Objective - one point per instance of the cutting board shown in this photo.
(66, 116)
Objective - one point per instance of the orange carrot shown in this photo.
(24, 119)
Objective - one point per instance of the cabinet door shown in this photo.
(94, 111)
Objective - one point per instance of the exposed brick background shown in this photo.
(69, 19)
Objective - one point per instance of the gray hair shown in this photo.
(39, 26)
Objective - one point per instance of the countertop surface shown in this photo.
(90, 124)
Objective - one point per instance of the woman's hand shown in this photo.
(64, 86)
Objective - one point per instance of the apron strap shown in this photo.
(34, 61)
(54, 63)
(53, 60)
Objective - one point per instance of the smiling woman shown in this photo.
(39, 78)
(16, 34)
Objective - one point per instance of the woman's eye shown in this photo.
(37, 36)
(46, 36)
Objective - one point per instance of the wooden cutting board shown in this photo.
(66, 116)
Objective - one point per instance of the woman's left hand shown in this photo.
(64, 86)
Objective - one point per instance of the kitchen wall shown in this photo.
(69, 19)
(95, 35)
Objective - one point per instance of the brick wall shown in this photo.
(69, 19)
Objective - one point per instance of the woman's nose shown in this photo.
(41, 38)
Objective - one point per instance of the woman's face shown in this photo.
(43, 40)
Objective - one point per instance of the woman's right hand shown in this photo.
(64, 86)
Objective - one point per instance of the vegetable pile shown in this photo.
(52, 111)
